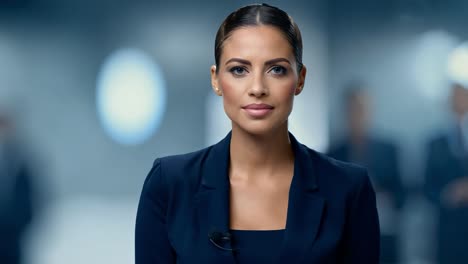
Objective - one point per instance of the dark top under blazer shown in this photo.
(331, 217)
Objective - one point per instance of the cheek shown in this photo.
(227, 89)
(290, 93)
(287, 85)
(230, 93)
(292, 89)
(232, 89)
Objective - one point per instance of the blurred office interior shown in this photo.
(94, 91)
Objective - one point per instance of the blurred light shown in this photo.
(458, 64)
(131, 96)
(429, 60)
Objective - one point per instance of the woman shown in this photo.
(258, 196)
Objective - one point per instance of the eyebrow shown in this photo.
(269, 62)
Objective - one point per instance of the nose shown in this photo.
(258, 87)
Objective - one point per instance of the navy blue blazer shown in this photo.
(331, 216)
(381, 160)
(446, 162)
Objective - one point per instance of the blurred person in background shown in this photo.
(447, 182)
(380, 157)
(16, 202)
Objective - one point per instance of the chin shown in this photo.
(259, 127)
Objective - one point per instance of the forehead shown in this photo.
(257, 42)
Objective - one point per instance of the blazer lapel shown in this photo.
(305, 207)
(211, 203)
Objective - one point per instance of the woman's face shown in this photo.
(257, 79)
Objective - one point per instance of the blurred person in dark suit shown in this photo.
(447, 182)
(16, 205)
(380, 156)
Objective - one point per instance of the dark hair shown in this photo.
(260, 14)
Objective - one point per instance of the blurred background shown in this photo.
(91, 92)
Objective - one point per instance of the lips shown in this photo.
(258, 111)
(258, 106)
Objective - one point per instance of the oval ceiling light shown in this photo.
(458, 64)
(131, 96)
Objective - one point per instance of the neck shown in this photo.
(260, 154)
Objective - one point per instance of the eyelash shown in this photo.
(234, 70)
(283, 70)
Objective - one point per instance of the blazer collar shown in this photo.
(216, 169)
(305, 206)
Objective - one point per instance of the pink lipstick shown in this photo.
(258, 110)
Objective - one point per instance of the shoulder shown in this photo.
(438, 139)
(383, 144)
(183, 161)
(386, 143)
(177, 177)
(176, 169)
(338, 178)
(337, 150)
(439, 142)
(347, 189)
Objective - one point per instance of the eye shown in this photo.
(237, 70)
(278, 70)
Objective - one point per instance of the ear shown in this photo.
(214, 81)
(301, 80)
